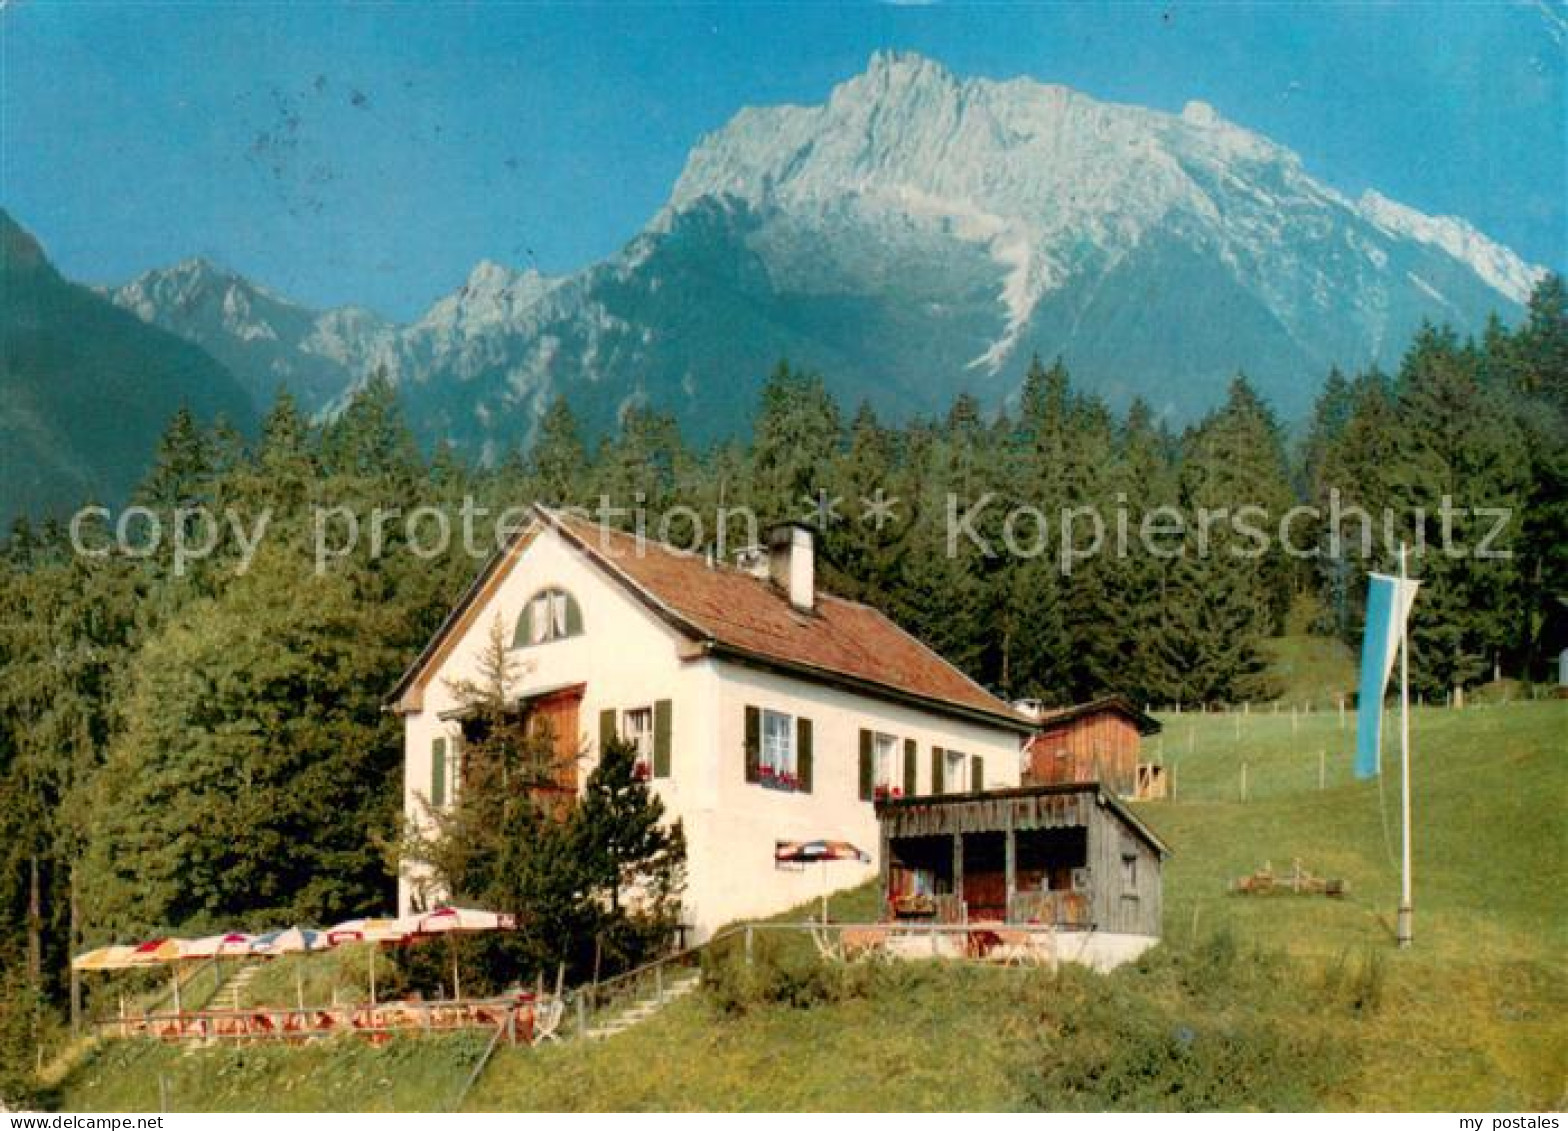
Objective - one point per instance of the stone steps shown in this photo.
(232, 994)
(644, 1008)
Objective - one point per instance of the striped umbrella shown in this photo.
(373, 931)
(295, 940)
(818, 852)
(445, 919)
(453, 920)
(155, 952)
(105, 958)
(231, 945)
(369, 930)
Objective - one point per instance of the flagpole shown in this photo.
(1403, 930)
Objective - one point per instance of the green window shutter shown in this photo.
(867, 770)
(753, 750)
(803, 753)
(607, 728)
(524, 633)
(910, 750)
(936, 769)
(574, 615)
(438, 772)
(661, 739)
(977, 773)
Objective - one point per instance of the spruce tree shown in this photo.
(794, 440)
(557, 461)
(1458, 447)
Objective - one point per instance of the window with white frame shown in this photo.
(778, 744)
(884, 749)
(955, 773)
(637, 729)
(551, 614)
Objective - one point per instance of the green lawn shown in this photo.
(1471, 1018)
(1313, 671)
(1477, 1009)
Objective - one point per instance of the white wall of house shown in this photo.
(732, 873)
(629, 658)
(626, 656)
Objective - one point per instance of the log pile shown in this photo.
(1298, 881)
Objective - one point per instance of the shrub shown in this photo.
(781, 971)
(27, 1024)
(1203, 1028)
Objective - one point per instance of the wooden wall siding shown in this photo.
(1116, 906)
(1101, 747)
(1113, 901)
(989, 814)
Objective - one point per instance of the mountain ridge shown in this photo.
(87, 388)
(911, 236)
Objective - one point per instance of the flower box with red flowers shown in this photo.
(642, 771)
(783, 780)
(887, 793)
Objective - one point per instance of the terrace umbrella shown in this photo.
(233, 944)
(105, 958)
(373, 931)
(157, 952)
(453, 920)
(295, 940)
(154, 952)
(215, 947)
(818, 852)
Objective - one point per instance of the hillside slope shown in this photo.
(86, 389)
(1470, 1019)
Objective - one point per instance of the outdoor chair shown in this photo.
(1022, 948)
(544, 1021)
(828, 944)
(869, 943)
(980, 943)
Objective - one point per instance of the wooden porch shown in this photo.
(1067, 856)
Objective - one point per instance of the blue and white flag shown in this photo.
(1389, 600)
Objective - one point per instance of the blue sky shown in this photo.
(373, 153)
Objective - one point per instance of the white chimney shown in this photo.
(792, 565)
(1031, 709)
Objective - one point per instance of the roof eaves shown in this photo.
(833, 677)
(450, 621)
(656, 604)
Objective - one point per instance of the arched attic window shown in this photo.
(550, 614)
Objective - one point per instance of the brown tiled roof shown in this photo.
(742, 616)
(1120, 704)
(730, 613)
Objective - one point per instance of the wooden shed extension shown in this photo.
(1090, 742)
(1070, 855)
